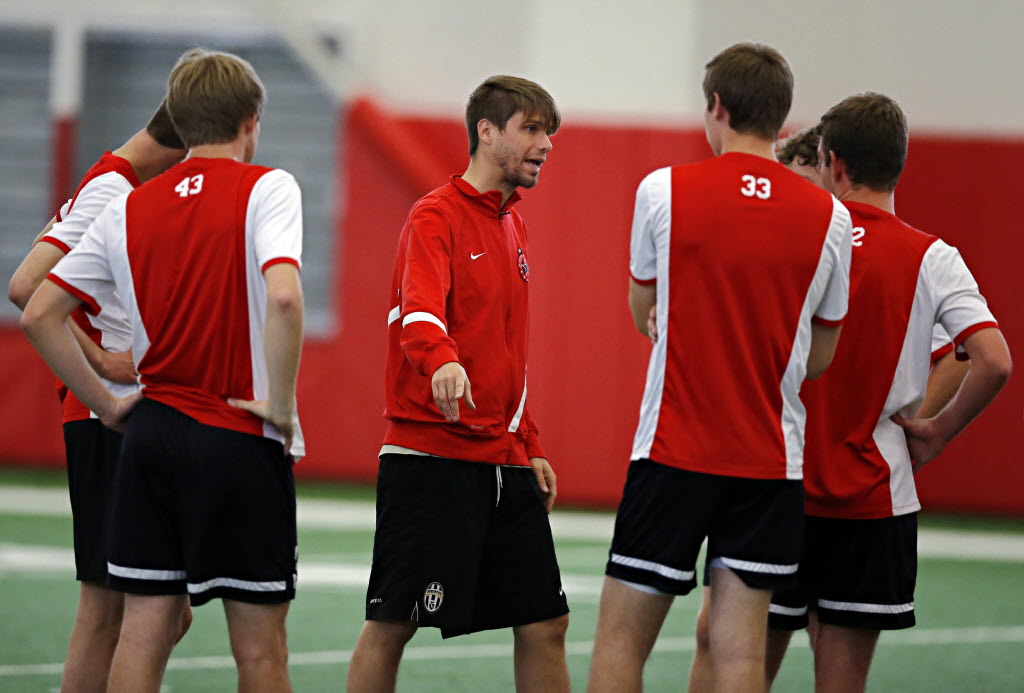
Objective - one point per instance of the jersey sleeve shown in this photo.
(426, 280)
(838, 245)
(62, 213)
(942, 344)
(275, 216)
(651, 217)
(959, 306)
(85, 272)
(532, 443)
(76, 217)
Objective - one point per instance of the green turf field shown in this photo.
(970, 633)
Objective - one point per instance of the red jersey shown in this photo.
(186, 253)
(902, 283)
(460, 293)
(108, 178)
(744, 253)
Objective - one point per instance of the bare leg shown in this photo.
(778, 643)
(842, 658)
(93, 639)
(259, 642)
(186, 622)
(540, 656)
(627, 626)
(148, 631)
(701, 676)
(374, 665)
(739, 627)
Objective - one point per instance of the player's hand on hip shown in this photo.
(924, 439)
(449, 384)
(546, 480)
(282, 418)
(119, 367)
(120, 407)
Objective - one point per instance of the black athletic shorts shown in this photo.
(92, 450)
(202, 510)
(854, 573)
(753, 527)
(461, 546)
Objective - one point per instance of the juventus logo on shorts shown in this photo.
(433, 597)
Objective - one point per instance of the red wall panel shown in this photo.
(587, 362)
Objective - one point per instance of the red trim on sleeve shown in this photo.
(826, 323)
(961, 354)
(90, 305)
(58, 243)
(940, 352)
(278, 261)
(644, 282)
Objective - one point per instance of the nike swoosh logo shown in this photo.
(474, 257)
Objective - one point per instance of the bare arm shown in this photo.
(943, 382)
(44, 321)
(32, 271)
(282, 341)
(642, 298)
(990, 369)
(46, 230)
(824, 341)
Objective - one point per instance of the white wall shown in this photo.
(951, 63)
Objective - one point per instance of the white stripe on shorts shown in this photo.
(650, 566)
(866, 608)
(275, 586)
(787, 610)
(143, 573)
(751, 567)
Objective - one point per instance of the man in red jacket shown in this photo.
(463, 542)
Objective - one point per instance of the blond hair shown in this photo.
(211, 94)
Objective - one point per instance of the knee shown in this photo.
(551, 631)
(270, 647)
(390, 634)
(703, 631)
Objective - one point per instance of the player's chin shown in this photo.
(528, 181)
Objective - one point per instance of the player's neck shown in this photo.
(485, 176)
(147, 157)
(744, 143)
(885, 201)
(234, 149)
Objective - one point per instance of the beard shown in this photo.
(512, 168)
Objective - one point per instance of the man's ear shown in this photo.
(837, 169)
(485, 131)
(718, 111)
(250, 123)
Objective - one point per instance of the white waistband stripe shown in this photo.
(650, 566)
(394, 314)
(144, 574)
(866, 608)
(787, 610)
(275, 586)
(752, 567)
(423, 317)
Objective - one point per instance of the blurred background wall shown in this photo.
(365, 109)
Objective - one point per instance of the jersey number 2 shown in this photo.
(761, 187)
(184, 190)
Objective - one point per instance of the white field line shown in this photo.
(919, 637)
(581, 526)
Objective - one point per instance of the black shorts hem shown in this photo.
(240, 595)
(762, 581)
(146, 587)
(787, 621)
(857, 619)
(536, 617)
(647, 578)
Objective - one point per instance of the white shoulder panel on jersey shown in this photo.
(652, 218)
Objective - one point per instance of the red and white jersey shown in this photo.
(744, 253)
(186, 252)
(108, 178)
(909, 292)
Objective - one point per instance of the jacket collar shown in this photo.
(488, 202)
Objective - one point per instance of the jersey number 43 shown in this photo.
(189, 186)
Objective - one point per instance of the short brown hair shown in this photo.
(869, 133)
(501, 97)
(801, 146)
(161, 128)
(210, 95)
(754, 84)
